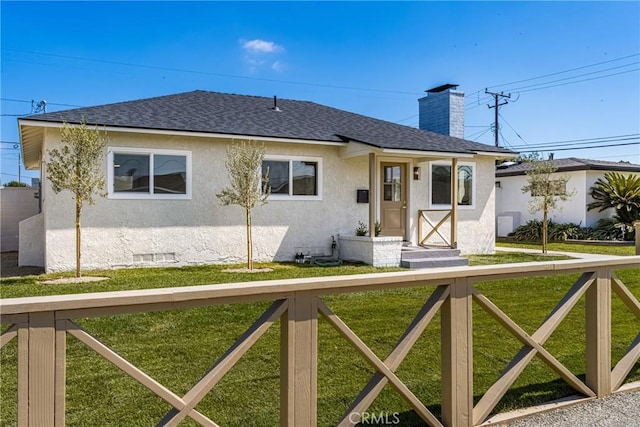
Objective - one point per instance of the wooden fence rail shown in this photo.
(429, 223)
(41, 325)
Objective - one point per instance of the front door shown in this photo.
(393, 200)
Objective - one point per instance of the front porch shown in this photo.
(416, 195)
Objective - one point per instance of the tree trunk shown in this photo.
(249, 251)
(78, 212)
(544, 230)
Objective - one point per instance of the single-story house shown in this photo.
(329, 170)
(512, 205)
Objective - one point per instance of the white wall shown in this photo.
(32, 245)
(200, 230)
(16, 204)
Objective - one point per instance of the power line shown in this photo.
(574, 77)
(580, 81)
(480, 101)
(505, 139)
(207, 73)
(514, 131)
(564, 71)
(49, 103)
(10, 174)
(582, 148)
(481, 134)
(578, 144)
(519, 90)
(601, 139)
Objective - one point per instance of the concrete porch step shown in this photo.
(414, 257)
(416, 263)
(419, 252)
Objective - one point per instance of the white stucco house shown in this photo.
(512, 205)
(329, 169)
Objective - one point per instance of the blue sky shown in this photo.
(572, 68)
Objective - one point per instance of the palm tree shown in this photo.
(619, 192)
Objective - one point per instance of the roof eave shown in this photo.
(56, 124)
(31, 140)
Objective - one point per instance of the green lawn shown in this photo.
(177, 347)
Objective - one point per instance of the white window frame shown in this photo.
(292, 159)
(151, 152)
(448, 205)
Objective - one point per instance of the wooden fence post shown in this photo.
(457, 356)
(299, 362)
(598, 329)
(637, 227)
(23, 373)
(42, 368)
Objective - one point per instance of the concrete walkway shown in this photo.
(569, 254)
(617, 410)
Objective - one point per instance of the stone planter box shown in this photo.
(383, 251)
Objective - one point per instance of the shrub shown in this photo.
(619, 192)
(15, 184)
(361, 229)
(532, 231)
(562, 232)
(606, 229)
(612, 229)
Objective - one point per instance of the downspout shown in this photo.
(373, 179)
(454, 203)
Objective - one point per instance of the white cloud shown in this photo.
(261, 46)
(261, 53)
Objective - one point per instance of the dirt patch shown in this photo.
(246, 270)
(69, 280)
(9, 267)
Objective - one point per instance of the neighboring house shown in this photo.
(165, 163)
(512, 205)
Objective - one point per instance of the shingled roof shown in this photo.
(253, 116)
(569, 164)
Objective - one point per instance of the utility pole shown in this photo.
(496, 104)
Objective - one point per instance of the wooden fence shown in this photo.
(41, 325)
(430, 222)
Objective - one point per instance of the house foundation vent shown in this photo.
(154, 258)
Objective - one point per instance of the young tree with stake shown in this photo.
(77, 166)
(546, 191)
(248, 185)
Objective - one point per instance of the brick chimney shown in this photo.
(442, 111)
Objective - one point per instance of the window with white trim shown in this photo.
(440, 185)
(298, 178)
(137, 173)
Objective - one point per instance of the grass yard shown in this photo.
(177, 347)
